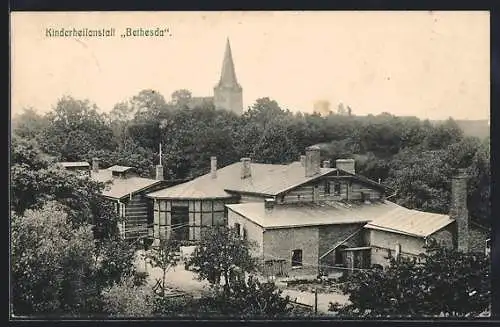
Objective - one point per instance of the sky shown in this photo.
(432, 65)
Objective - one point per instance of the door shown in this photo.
(180, 223)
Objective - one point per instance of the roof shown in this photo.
(300, 215)
(410, 222)
(119, 188)
(266, 179)
(119, 169)
(67, 164)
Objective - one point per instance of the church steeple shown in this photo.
(228, 94)
(228, 74)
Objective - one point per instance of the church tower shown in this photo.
(228, 94)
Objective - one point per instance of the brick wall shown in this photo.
(382, 242)
(279, 243)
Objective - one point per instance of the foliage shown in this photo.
(28, 124)
(75, 127)
(52, 264)
(163, 256)
(36, 180)
(125, 299)
(222, 255)
(249, 298)
(442, 282)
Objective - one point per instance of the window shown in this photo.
(327, 188)
(245, 234)
(237, 227)
(297, 258)
(336, 189)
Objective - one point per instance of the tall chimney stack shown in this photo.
(458, 209)
(246, 171)
(269, 204)
(348, 165)
(159, 172)
(95, 165)
(213, 167)
(313, 161)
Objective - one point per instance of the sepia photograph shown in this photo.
(250, 165)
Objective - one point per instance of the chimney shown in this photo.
(458, 209)
(95, 165)
(326, 164)
(347, 165)
(313, 161)
(245, 168)
(303, 160)
(213, 167)
(269, 204)
(159, 172)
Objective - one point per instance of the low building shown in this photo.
(81, 167)
(127, 192)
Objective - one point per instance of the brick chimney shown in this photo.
(159, 172)
(213, 167)
(246, 171)
(346, 165)
(458, 209)
(326, 164)
(313, 161)
(269, 204)
(95, 165)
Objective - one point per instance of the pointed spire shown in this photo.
(228, 75)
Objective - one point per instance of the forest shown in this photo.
(415, 157)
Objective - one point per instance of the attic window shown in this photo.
(245, 234)
(297, 258)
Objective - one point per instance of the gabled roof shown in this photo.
(118, 188)
(410, 222)
(301, 215)
(266, 179)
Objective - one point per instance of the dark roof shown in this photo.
(310, 214)
(266, 179)
(118, 188)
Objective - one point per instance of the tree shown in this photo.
(148, 105)
(222, 254)
(52, 264)
(181, 98)
(249, 298)
(164, 256)
(125, 299)
(442, 282)
(29, 124)
(75, 127)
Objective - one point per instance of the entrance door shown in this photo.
(180, 223)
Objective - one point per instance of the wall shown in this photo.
(445, 236)
(382, 242)
(254, 231)
(279, 243)
(202, 215)
(349, 190)
(477, 239)
(137, 214)
(330, 235)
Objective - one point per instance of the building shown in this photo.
(228, 93)
(356, 229)
(127, 192)
(82, 167)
